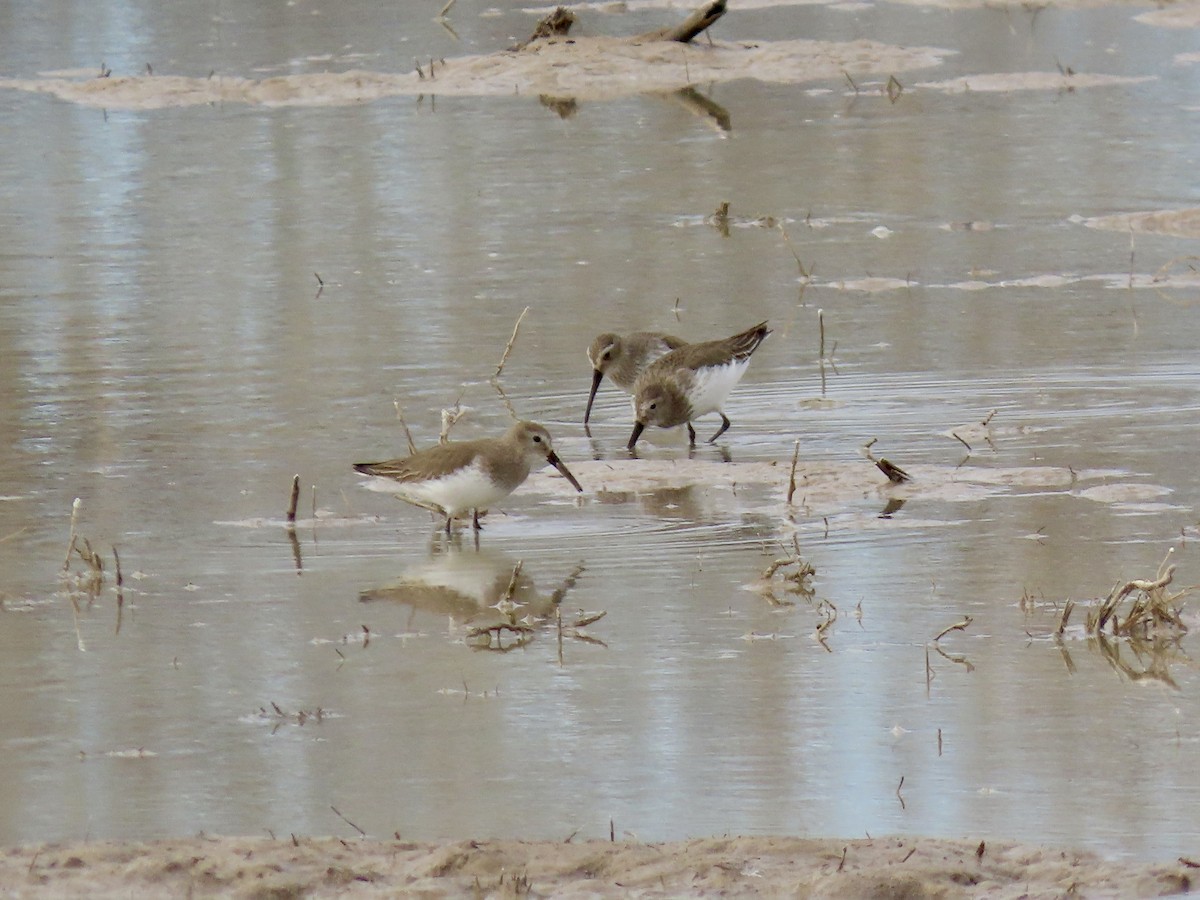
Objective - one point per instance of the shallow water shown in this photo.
(169, 358)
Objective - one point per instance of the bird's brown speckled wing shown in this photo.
(424, 465)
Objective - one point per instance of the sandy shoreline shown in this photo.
(741, 866)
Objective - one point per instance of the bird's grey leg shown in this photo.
(722, 429)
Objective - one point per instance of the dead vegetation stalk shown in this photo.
(295, 499)
(412, 447)
(512, 340)
(792, 477)
(957, 626)
(73, 537)
(1151, 606)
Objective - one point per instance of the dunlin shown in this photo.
(691, 381)
(466, 475)
(623, 358)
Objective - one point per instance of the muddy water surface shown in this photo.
(199, 302)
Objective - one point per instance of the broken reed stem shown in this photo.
(512, 340)
(295, 499)
(792, 477)
(558, 623)
(1162, 567)
(821, 326)
(120, 589)
(343, 818)
(446, 8)
(806, 274)
(512, 581)
(449, 418)
(957, 626)
(412, 447)
(1066, 614)
(71, 544)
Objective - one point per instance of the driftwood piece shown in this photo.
(697, 23)
(559, 22)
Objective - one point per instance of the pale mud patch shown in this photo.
(1181, 15)
(1006, 82)
(833, 486)
(593, 68)
(1183, 223)
(870, 285)
(1177, 275)
(740, 866)
(1124, 493)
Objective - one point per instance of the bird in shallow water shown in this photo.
(623, 357)
(458, 476)
(694, 380)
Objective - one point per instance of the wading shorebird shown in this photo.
(694, 380)
(624, 357)
(466, 475)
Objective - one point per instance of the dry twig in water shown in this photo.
(1152, 608)
(891, 471)
(792, 477)
(512, 340)
(957, 626)
(295, 499)
(412, 447)
(798, 579)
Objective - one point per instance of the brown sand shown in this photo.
(728, 867)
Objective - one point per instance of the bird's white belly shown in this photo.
(711, 386)
(468, 488)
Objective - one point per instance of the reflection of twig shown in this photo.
(806, 274)
(1066, 656)
(1156, 669)
(697, 102)
(955, 658)
(297, 558)
(831, 614)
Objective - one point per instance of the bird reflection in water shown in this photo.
(486, 589)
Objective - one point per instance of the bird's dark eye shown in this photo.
(654, 406)
(606, 355)
(537, 438)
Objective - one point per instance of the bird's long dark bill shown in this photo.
(597, 377)
(558, 464)
(638, 428)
